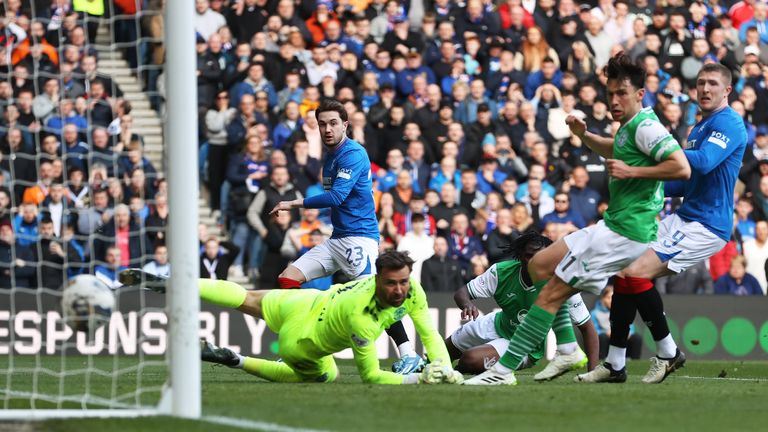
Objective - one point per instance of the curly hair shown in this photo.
(516, 249)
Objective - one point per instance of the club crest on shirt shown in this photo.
(622, 139)
(399, 313)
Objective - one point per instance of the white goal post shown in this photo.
(181, 394)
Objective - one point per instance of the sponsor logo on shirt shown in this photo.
(719, 139)
(690, 144)
(511, 295)
(344, 173)
(359, 341)
(521, 315)
(327, 183)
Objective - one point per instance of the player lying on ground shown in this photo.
(313, 325)
(585, 259)
(695, 232)
(479, 343)
(354, 244)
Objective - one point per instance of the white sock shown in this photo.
(567, 348)
(498, 367)
(667, 347)
(617, 357)
(405, 349)
(241, 361)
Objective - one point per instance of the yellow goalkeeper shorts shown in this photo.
(285, 312)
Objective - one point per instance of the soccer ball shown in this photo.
(86, 303)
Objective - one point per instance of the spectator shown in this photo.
(303, 168)
(91, 218)
(537, 203)
(25, 225)
(441, 272)
(255, 233)
(54, 257)
(216, 258)
(418, 243)
(17, 262)
(583, 198)
(157, 220)
(500, 237)
(745, 222)
(299, 236)
(254, 83)
(274, 261)
(123, 233)
(600, 318)
(737, 281)
(57, 208)
(462, 244)
(694, 280)
(563, 215)
(109, 270)
(470, 196)
(387, 226)
(208, 21)
(756, 254)
(159, 266)
(489, 177)
(402, 220)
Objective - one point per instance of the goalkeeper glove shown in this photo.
(432, 373)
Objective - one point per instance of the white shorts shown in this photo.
(594, 255)
(354, 256)
(684, 244)
(482, 331)
(578, 310)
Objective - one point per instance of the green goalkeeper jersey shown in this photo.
(348, 315)
(635, 203)
(504, 283)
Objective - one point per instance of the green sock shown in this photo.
(221, 293)
(562, 326)
(528, 336)
(270, 370)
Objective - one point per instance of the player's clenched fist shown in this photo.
(578, 126)
(618, 169)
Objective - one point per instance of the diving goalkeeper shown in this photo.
(313, 325)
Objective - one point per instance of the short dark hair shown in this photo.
(46, 220)
(393, 260)
(331, 105)
(620, 67)
(417, 217)
(719, 68)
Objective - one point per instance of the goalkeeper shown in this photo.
(313, 325)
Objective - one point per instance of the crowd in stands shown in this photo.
(77, 194)
(460, 106)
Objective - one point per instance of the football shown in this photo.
(86, 303)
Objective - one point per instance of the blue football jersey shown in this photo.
(348, 192)
(714, 150)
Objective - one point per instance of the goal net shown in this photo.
(88, 180)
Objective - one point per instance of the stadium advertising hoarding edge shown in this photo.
(706, 327)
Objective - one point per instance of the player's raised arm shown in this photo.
(600, 145)
(653, 139)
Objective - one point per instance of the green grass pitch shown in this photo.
(692, 399)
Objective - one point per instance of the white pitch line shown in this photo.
(254, 425)
(721, 379)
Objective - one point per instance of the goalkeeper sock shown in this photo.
(530, 334)
(270, 370)
(566, 339)
(406, 349)
(241, 361)
(221, 293)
